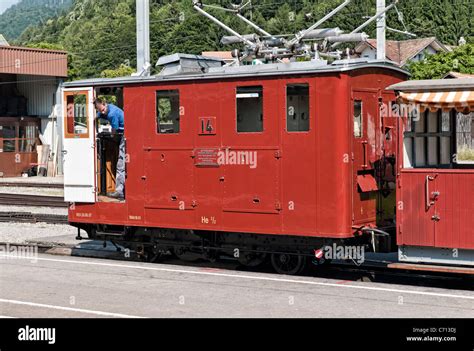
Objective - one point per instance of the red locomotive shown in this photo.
(271, 160)
(281, 160)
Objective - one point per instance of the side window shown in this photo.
(465, 138)
(77, 121)
(8, 135)
(167, 112)
(428, 141)
(249, 109)
(358, 110)
(297, 108)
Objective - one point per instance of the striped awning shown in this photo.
(462, 101)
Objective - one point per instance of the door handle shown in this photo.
(428, 201)
(364, 146)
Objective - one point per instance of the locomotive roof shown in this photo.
(434, 84)
(264, 70)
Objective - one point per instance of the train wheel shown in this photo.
(152, 254)
(288, 264)
(252, 260)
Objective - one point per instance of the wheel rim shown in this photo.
(288, 264)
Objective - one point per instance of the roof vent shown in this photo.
(178, 64)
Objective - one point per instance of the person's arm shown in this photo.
(114, 122)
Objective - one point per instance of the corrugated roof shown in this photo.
(30, 61)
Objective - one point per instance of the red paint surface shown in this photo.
(304, 183)
(454, 207)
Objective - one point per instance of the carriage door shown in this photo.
(365, 113)
(78, 147)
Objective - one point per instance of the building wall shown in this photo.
(369, 53)
(42, 93)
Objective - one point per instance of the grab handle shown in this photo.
(428, 201)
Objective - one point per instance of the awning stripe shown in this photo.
(459, 100)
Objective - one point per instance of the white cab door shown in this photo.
(78, 146)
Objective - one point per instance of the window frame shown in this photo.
(361, 134)
(306, 84)
(67, 134)
(157, 124)
(426, 135)
(261, 86)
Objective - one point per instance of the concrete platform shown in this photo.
(33, 180)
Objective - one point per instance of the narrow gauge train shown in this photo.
(272, 161)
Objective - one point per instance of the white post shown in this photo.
(143, 37)
(381, 31)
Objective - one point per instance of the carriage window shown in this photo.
(297, 108)
(465, 137)
(167, 112)
(249, 109)
(428, 144)
(358, 119)
(77, 121)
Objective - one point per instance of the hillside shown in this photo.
(29, 12)
(100, 35)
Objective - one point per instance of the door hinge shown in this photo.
(278, 154)
(278, 206)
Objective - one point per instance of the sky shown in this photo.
(4, 4)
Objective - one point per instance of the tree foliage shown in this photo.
(437, 66)
(27, 13)
(100, 35)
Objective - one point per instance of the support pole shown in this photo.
(143, 37)
(381, 30)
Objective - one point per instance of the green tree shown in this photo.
(436, 66)
(121, 71)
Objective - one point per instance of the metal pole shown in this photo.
(302, 34)
(230, 30)
(250, 23)
(381, 30)
(143, 37)
(370, 20)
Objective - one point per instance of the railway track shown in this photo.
(31, 185)
(32, 200)
(27, 217)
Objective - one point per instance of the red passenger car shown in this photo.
(271, 160)
(435, 222)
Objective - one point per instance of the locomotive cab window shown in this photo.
(249, 109)
(167, 112)
(358, 110)
(297, 108)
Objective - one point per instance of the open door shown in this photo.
(78, 146)
(365, 113)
